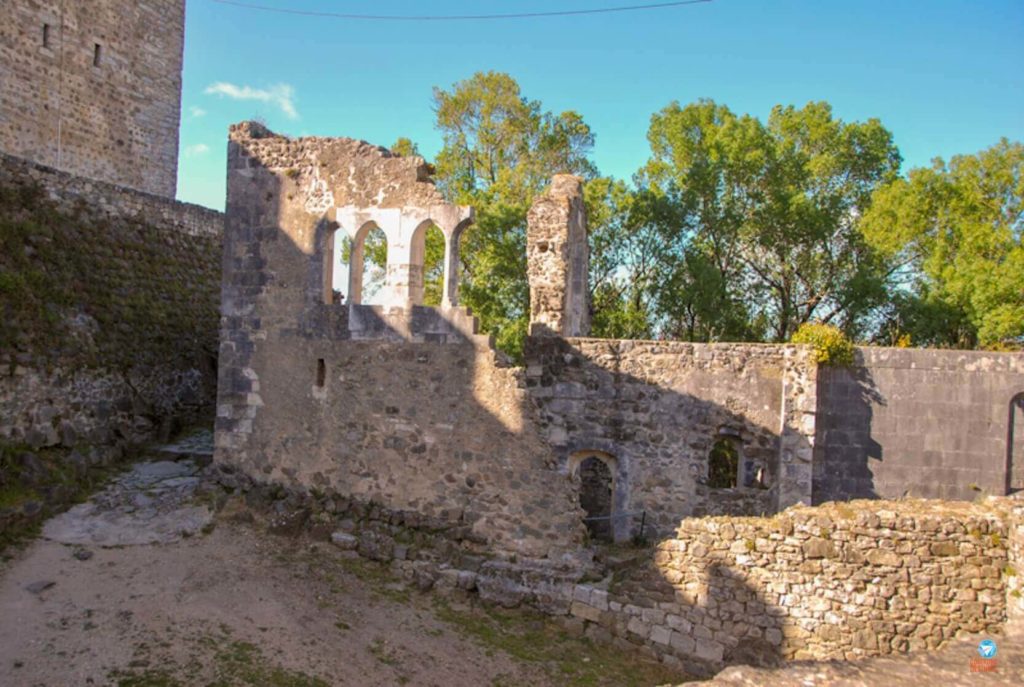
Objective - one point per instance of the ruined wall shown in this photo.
(1015, 570)
(925, 422)
(658, 407)
(844, 581)
(112, 116)
(385, 412)
(557, 260)
(109, 309)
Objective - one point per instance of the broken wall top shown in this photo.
(338, 172)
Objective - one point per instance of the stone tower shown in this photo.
(94, 88)
(557, 260)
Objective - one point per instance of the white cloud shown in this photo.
(197, 112)
(196, 150)
(282, 95)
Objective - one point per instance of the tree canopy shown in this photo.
(763, 234)
(737, 228)
(953, 234)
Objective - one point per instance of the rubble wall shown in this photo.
(109, 300)
(658, 407)
(833, 582)
(411, 421)
(1015, 571)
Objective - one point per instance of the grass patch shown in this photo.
(148, 678)
(382, 582)
(15, 496)
(242, 663)
(233, 664)
(380, 650)
(574, 662)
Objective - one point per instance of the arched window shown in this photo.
(596, 474)
(335, 265)
(367, 260)
(723, 464)
(427, 258)
(1015, 445)
(454, 269)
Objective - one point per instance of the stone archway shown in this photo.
(1015, 445)
(595, 472)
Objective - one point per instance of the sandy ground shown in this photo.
(141, 587)
(175, 608)
(227, 605)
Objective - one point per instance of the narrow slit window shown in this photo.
(97, 54)
(321, 373)
(46, 35)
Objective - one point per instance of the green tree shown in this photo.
(624, 262)
(953, 233)
(405, 147)
(500, 150)
(765, 237)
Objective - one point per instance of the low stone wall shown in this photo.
(1015, 571)
(840, 581)
(109, 303)
(857, 579)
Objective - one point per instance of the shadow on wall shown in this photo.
(843, 446)
(655, 413)
(431, 429)
(677, 605)
(403, 408)
(398, 419)
(1015, 446)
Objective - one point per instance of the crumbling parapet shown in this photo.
(557, 260)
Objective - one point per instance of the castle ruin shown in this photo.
(403, 417)
(401, 420)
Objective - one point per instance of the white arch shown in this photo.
(405, 230)
(450, 294)
(356, 259)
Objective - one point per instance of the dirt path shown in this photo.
(225, 605)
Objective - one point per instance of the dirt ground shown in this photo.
(142, 587)
(227, 605)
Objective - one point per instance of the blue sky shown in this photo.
(945, 76)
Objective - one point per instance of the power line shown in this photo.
(459, 17)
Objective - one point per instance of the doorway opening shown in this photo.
(596, 473)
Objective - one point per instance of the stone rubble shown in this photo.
(153, 503)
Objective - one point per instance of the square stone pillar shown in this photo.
(557, 260)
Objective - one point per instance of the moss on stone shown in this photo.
(84, 290)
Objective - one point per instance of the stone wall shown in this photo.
(109, 301)
(1015, 571)
(839, 581)
(929, 423)
(657, 408)
(405, 408)
(111, 115)
(557, 260)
